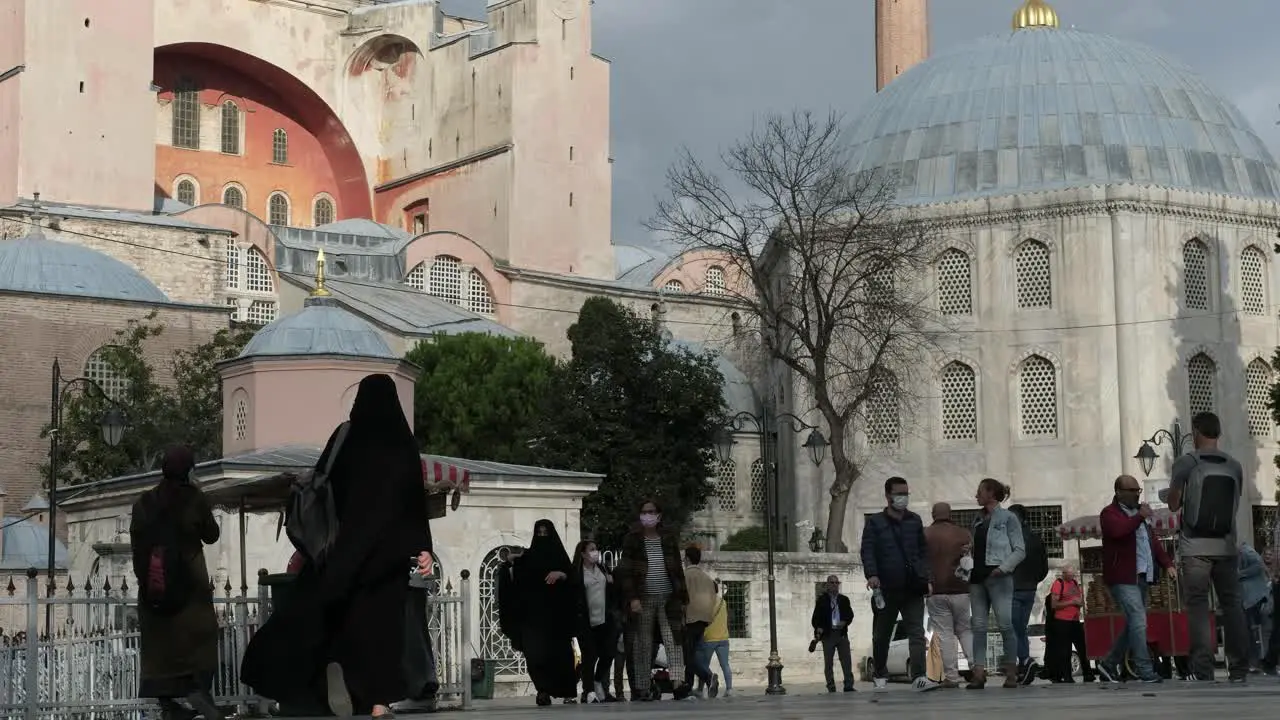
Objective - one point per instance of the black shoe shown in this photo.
(681, 692)
(831, 688)
(1028, 673)
(543, 699)
(1107, 672)
(850, 688)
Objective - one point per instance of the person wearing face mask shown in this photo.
(597, 627)
(896, 563)
(1131, 558)
(651, 579)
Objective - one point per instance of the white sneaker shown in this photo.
(881, 683)
(592, 698)
(600, 693)
(923, 684)
(727, 693)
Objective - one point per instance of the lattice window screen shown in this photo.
(232, 197)
(884, 425)
(1201, 384)
(713, 282)
(955, 283)
(445, 279)
(674, 286)
(233, 265)
(417, 277)
(1038, 398)
(1195, 275)
(1253, 282)
(1034, 275)
(1257, 384)
(759, 488)
(257, 275)
(242, 419)
(959, 402)
(261, 312)
(479, 299)
(737, 605)
(98, 369)
(727, 485)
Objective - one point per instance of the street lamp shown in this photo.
(766, 428)
(1147, 454)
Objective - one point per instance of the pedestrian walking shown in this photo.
(419, 655)
(549, 615)
(715, 642)
(697, 616)
(1206, 487)
(949, 609)
(597, 598)
(998, 547)
(168, 528)
(896, 564)
(1255, 592)
(1027, 577)
(832, 615)
(1063, 629)
(1271, 653)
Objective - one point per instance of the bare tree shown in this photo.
(829, 266)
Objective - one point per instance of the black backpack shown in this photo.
(1211, 497)
(311, 517)
(165, 586)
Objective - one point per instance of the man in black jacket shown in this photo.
(897, 569)
(831, 617)
(1026, 587)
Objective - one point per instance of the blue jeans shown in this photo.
(1023, 601)
(1132, 600)
(993, 595)
(720, 649)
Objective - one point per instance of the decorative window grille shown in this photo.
(257, 274)
(186, 114)
(883, 421)
(959, 402)
(280, 147)
(100, 370)
(955, 283)
(479, 299)
(232, 197)
(965, 518)
(1201, 384)
(1253, 282)
(186, 192)
(673, 286)
(493, 644)
(1043, 520)
(260, 312)
(713, 281)
(1195, 275)
(445, 279)
(759, 487)
(1034, 276)
(727, 485)
(1266, 520)
(417, 278)
(737, 605)
(323, 213)
(230, 128)
(1038, 398)
(233, 265)
(242, 419)
(278, 209)
(879, 294)
(1257, 382)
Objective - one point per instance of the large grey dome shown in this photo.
(1045, 108)
(322, 327)
(37, 264)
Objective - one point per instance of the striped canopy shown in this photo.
(1163, 522)
(442, 477)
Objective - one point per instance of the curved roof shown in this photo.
(1044, 108)
(37, 264)
(26, 545)
(322, 327)
(739, 393)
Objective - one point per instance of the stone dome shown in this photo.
(26, 545)
(36, 264)
(1045, 108)
(322, 327)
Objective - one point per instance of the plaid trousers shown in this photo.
(653, 608)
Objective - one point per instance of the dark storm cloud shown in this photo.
(696, 72)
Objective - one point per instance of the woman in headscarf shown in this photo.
(341, 639)
(547, 625)
(169, 526)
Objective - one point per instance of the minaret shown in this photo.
(902, 37)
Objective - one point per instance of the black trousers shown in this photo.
(692, 639)
(599, 646)
(910, 605)
(1273, 644)
(1061, 636)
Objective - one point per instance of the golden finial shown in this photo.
(1035, 13)
(320, 290)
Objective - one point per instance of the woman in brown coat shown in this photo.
(170, 525)
(650, 577)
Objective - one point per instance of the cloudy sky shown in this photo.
(696, 72)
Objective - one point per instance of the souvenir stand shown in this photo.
(1167, 637)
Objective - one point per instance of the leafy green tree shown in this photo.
(751, 539)
(632, 406)
(479, 396)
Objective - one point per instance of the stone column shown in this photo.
(1127, 407)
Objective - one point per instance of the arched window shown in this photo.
(1195, 275)
(1253, 281)
(759, 487)
(233, 265)
(1038, 398)
(493, 644)
(673, 286)
(242, 419)
(322, 213)
(230, 128)
(233, 196)
(99, 368)
(278, 209)
(444, 279)
(959, 402)
(1202, 375)
(884, 426)
(713, 281)
(1033, 275)
(417, 277)
(727, 485)
(1257, 387)
(250, 285)
(257, 275)
(280, 147)
(955, 283)
(185, 192)
(479, 299)
(186, 114)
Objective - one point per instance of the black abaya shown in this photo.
(548, 622)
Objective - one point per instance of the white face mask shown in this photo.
(900, 502)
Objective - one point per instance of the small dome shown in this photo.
(26, 545)
(739, 393)
(36, 264)
(36, 504)
(322, 327)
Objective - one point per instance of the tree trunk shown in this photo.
(841, 486)
(835, 521)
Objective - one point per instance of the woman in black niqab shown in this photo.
(342, 636)
(549, 613)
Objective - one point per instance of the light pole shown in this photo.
(1147, 453)
(113, 425)
(766, 427)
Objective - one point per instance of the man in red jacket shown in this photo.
(1131, 558)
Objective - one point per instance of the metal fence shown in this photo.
(88, 668)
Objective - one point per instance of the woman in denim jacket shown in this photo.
(998, 547)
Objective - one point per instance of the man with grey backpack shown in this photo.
(1206, 488)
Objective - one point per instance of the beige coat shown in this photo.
(702, 595)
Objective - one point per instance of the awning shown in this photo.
(1089, 527)
(440, 477)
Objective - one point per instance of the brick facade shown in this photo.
(902, 37)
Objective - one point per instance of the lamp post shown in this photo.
(766, 426)
(113, 425)
(1147, 454)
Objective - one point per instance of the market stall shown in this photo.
(1167, 637)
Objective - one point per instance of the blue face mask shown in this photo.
(900, 502)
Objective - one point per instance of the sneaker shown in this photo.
(850, 688)
(948, 685)
(1107, 672)
(1029, 673)
(1152, 680)
(881, 683)
(591, 698)
(1238, 679)
(728, 692)
(923, 684)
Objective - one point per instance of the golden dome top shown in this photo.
(1035, 13)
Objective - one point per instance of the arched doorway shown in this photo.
(493, 644)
